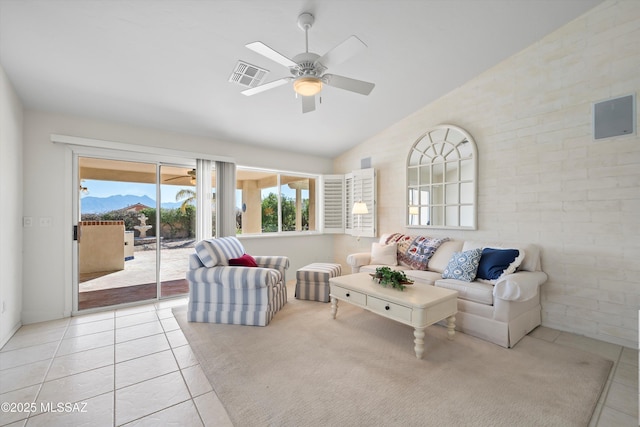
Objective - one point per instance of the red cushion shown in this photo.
(245, 260)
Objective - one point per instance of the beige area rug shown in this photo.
(306, 369)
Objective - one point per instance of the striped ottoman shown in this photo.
(312, 281)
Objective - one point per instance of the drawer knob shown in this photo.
(348, 294)
(386, 307)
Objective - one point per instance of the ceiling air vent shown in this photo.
(247, 75)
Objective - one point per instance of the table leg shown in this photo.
(419, 342)
(451, 326)
(334, 307)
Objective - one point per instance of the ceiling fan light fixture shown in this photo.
(307, 86)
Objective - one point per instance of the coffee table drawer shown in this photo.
(389, 309)
(349, 295)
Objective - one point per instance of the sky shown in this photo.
(112, 188)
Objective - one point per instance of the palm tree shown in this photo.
(189, 196)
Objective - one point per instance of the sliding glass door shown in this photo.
(136, 228)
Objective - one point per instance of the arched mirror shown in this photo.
(442, 170)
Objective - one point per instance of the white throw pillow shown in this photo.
(384, 254)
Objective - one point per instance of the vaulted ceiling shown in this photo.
(166, 64)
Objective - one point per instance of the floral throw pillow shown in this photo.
(463, 265)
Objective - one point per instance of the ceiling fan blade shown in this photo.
(267, 52)
(308, 104)
(342, 52)
(349, 84)
(176, 177)
(266, 86)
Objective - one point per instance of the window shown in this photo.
(295, 203)
(273, 202)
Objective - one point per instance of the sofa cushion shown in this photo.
(384, 254)
(372, 268)
(423, 276)
(494, 263)
(422, 249)
(531, 261)
(404, 242)
(463, 265)
(218, 251)
(470, 291)
(441, 257)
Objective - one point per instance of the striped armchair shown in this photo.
(220, 293)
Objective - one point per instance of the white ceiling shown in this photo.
(166, 64)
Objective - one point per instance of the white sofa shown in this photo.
(501, 311)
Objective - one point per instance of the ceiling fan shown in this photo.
(308, 69)
(190, 174)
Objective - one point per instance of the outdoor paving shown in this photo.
(140, 270)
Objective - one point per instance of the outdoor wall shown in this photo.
(101, 246)
(48, 288)
(11, 212)
(542, 176)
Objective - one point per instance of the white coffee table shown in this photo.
(418, 305)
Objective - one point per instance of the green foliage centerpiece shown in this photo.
(387, 276)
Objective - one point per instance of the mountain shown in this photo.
(92, 204)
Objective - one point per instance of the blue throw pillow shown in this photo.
(463, 265)
(495, 261)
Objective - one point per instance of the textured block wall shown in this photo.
(542, 176)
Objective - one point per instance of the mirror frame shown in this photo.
(441, 145)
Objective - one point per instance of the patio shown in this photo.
(137, 282)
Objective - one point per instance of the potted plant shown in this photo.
(387, 276)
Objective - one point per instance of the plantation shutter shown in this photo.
(364, 188)
(348, 203)
(333, 213)
(339, 193)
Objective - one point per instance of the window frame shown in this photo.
(279, 173)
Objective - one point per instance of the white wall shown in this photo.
(11, 211)
(47, 285)
(543, 179)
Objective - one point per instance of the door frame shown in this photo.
(125, 156)
(90, 147)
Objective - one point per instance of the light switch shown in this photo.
(27, 221)
(46, 221)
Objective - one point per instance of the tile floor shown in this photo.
(618, 405)
(134, 367)
(130, 367)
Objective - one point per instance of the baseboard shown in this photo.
(6, 339)
(29, 317)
